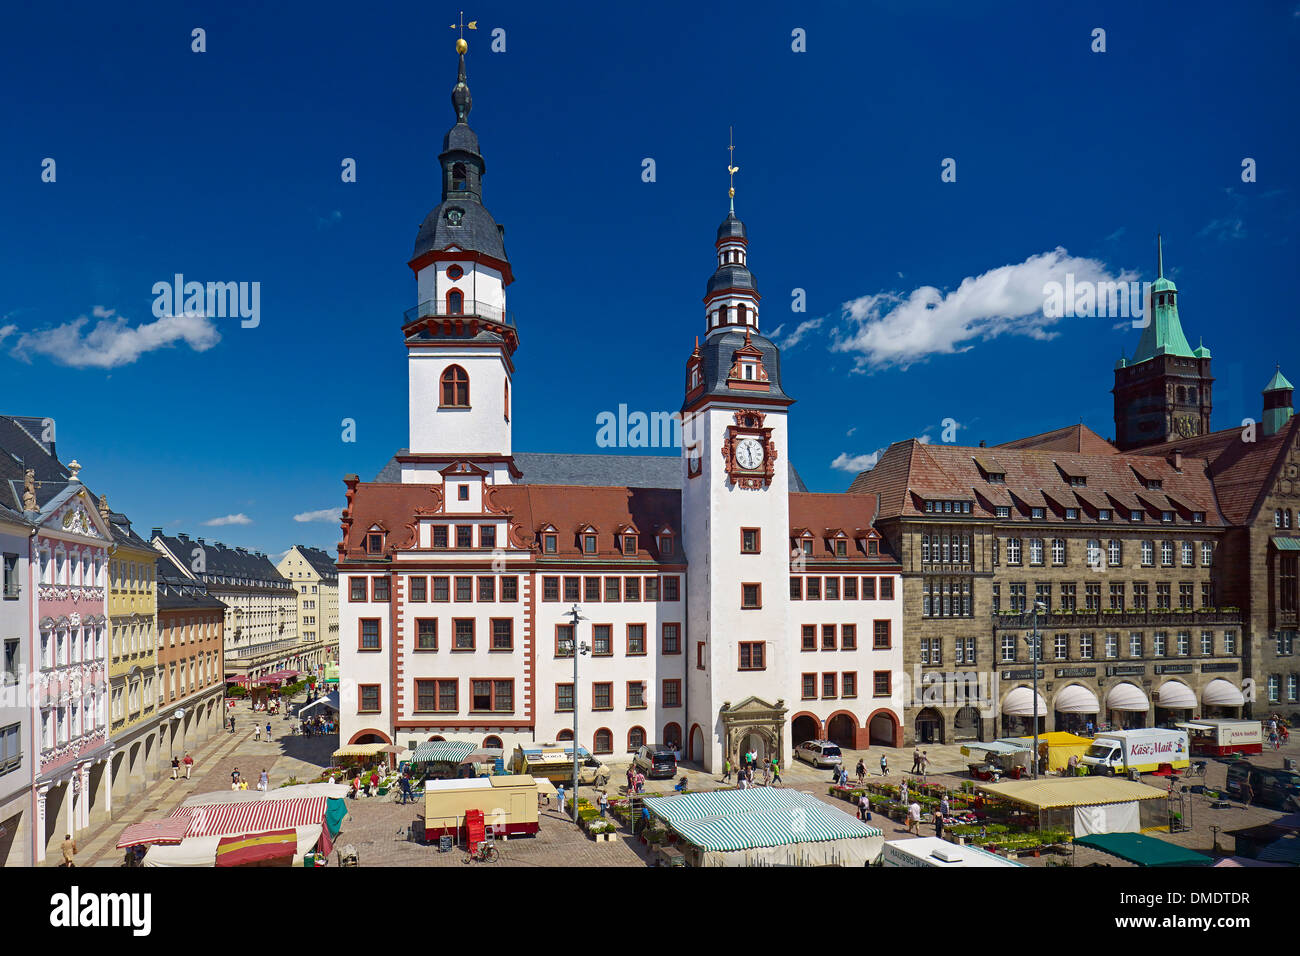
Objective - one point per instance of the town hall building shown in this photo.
(714, 602)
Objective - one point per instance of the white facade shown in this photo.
(17, 765)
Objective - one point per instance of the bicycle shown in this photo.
(485, 852)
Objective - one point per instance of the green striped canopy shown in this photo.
(448, 751)
(727, 820)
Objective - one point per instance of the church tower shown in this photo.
(1163, 393)
(460, 338)
(735, 508)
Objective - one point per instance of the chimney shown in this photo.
(982, 443)
(155, 533)
(1176, 459)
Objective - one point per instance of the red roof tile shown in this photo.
(1072, 438)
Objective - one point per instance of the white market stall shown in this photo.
(765, 826)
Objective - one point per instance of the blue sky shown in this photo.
(224, 166)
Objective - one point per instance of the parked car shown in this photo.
(656, 760)
(1278, 789)
(819, 753)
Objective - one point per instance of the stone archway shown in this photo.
(804, 727)
(753, 722)
(842, 730)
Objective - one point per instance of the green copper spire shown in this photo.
(1278, 382)
(1163, 334)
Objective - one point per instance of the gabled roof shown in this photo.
(1076, 438)
(19, 450)
(823, 515)
(320, 561)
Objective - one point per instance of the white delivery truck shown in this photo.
(938, 853)
(1218, 738)
(1116, 752)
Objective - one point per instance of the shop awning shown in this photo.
(1143, 850)
(330, 700)
(254, 817)
(1071, 791)
(360, 750)
(1222, 693)
(1286, 544)
(1020, 703)
(170, 831)
(1077, 699)
(443, 751)
(258, 849)
(729, 820)
(1175, 695)
(1127, 697)
(994, 747)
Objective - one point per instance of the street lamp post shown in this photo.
(1034, 654)
(576, 648)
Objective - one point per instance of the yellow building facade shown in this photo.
(316, 580)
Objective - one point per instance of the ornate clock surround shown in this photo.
(749, 424)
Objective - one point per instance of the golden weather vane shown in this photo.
(732, 168)
(461, 26)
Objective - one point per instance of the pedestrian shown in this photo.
(264, 781)
(884, 765)
(767, 776)
(726, 770)
(69, 848)
(234, 776)
(925, 765)
(1247, 791)
(903, 793)
(944, 806)
(1088, 728)
(405, 784)
(776, 771)
(914, 818)
(938, 824)
(232, 723)
(176, 766)
(863, 803)
(631, 779)
(562, 797)
(602, 802)
(916, 760)
(374, 783)
(862, 771)
(640, 782)
(189, 764)
(268, 730)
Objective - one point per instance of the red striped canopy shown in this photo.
(171, 831)
(253, 816)
(258, 849)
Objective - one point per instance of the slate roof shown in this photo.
(477, 231)
(176, 592)
(320, 561)
(19, 449)
(909, 472)
(717, 355)
(226, 562)
(123, 533)
(559, 468)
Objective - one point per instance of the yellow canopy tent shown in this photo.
(1058, 745)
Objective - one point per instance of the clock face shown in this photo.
(749, 453)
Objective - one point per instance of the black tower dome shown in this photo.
(460, 219)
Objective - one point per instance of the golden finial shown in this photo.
(732, 169)
(461, 26)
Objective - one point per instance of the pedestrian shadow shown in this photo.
(316, 749)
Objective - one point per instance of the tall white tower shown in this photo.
(735, 515)
(460, 338)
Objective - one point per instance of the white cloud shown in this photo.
(797, 336)
(6, 331)
(890, 328)
(112, 342)
(1116, 234)
(1224, 229)
(325, 514)
(849, 433)
(240, 518)
(330, 219)
(924, 438)
(856, 463)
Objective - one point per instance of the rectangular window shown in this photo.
(886, 589)
(672, 693)
(749, 540)
(464, 631)
(564, 640)
(367, 698)
(997, 598)
(1008, 648)
(699, 655)
(1207, 594)
(550, 543)
(631, 589)
(1135, 644)
(882, 640)
(1207, 553)
(636, 695)
(868, 589)
(672, 638)
(612, 586)
(1035, 550)
(591, 589)
(357, 589)
(441, 589)
(369, 640)
(1162, 597)
(487, 589)
(550, 589)
(464, 589)
(672, 588)
(1148, 553)
(11, 585)
(563, 698)
(602, 645)
(1167, 554)
(503, 634)
(497, 696)
(1184, 643)
(1085, 647)
(419, 584)
(796, 588)
(440, 536)
(808, 686)
(602, 696)
(464, 536)
(829, 684)
(828, 637)
(751, 656)
(510, 588)
(751, 596)
(1229, 642)
(808, 637)
(850, 589)
(1112, 646)
(1013, 551)
(1058, 550)
(1140, 596)
(435, 696)
(1185, 596)
(487, 536)
(635, 640)
(1062, 647)
(652, 589)
(629, 544)
(572, 589)
(848, 637)
(1092, 597)
(832, 589)
(588, 544)
(1158, 644)
(882, 683)
(426, 634)
(1207, 643)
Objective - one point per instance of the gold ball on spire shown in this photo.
(732, 192)
(461, 46)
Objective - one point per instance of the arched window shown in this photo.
(673, 736)
(492, 743)
(564, 735)
(455, 302)
(635, 739)
(724, 316)
(458, 176)
(603, 741)
(455, 387)
(740, 314)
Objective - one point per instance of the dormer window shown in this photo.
(1103, 514)
(841, 549)
(1002, 511)
(1135, 515)
(1078, 481)
(929, 507)
(1071, 514)
(629, 544)
(873, 547)
(997, 478)
(697, 379)
(375, 542)
(1166, 516)
(1198, 517)
(666, 545)
(1154, 484)
(462, 492)
(749, 371)
(1037, 514)
(807, 546)
(588, 544)
(550, 543)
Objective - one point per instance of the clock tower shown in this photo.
(735, 513)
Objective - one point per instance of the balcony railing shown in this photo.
(1128, 618)
(470, 309)
(255, 651)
